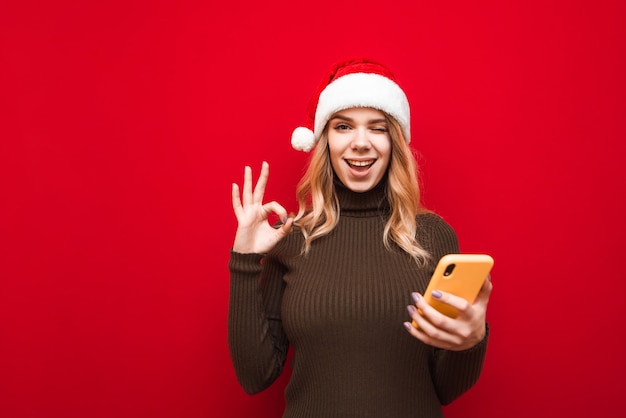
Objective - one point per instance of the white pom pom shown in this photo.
(302, 139)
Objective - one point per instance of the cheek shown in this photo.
(338, 165)
(384, 149)
(335, 150)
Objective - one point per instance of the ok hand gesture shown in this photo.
(254, 233)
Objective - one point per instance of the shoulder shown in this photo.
(434, 223)
(436, 235)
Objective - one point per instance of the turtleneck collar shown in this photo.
(370, 203)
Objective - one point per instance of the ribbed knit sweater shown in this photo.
(342, 308)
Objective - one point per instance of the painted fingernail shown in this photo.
(415, 296)
(407, 326)
(411, 309)
(436, 294)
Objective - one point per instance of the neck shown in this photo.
(373, 201)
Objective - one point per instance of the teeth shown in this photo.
(360, 163)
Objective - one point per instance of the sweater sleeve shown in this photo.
(457, 371)
(258, 345)
(453, 372)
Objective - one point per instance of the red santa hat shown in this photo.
(356, 82)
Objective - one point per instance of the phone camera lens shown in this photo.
(448, 270)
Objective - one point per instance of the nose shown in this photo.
(361, 139)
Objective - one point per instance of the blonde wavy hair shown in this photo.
(319, 209)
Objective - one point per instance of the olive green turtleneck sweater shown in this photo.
(342, 308)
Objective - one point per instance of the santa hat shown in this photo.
(357, 82)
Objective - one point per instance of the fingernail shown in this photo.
(285, 219)
(489, 277)
(411, 309)
(407, 326)
(436, 294)
(415, 296)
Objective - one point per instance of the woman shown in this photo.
(334, 281)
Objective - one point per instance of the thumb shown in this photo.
(285, 228)
(485, 291)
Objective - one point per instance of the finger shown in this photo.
(424, 329)
(259, 189)
(415, 331)
(417, 317)
(432, 316)
(286, 227)
(424, 312)
(416, 298)
(236, 199)
(427, 330)
(428, 333)
(276, 208)
(247, 186)
(457, 302)
(485, 292)
(415, 327)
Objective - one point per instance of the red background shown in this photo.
(123, 124)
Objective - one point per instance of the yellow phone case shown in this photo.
(462, 275)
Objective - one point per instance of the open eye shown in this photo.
(342, 127)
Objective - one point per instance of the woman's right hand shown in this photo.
(254, 233)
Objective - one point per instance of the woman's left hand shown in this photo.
(456, 334)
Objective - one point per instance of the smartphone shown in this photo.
(462, 275)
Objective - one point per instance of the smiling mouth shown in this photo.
(360, 164)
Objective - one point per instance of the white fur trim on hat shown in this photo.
(302, 139)
(363, 90)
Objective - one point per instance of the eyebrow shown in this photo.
(347, 119)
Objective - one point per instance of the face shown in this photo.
(360, 147)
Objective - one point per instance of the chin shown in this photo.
(360, 187)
